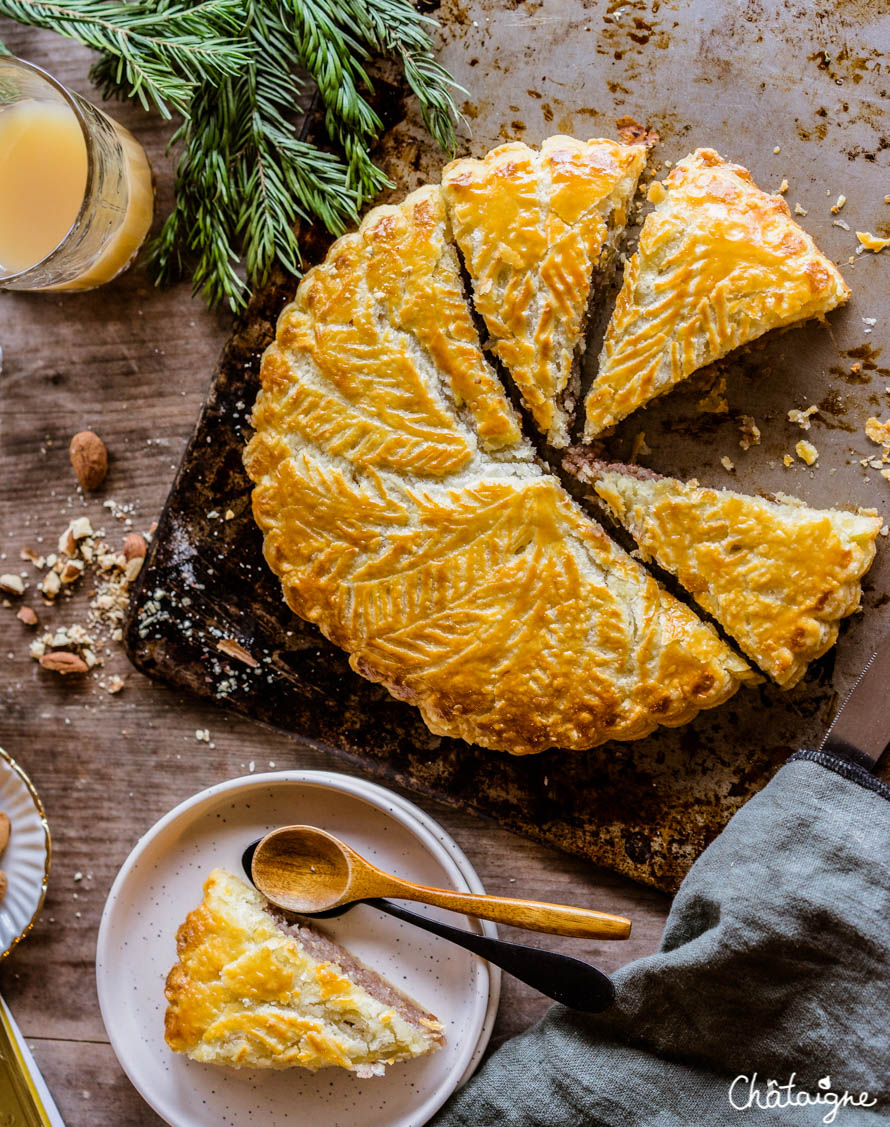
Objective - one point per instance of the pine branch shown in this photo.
(234, 70)
(335, 60)
(244, 179)
(396, 28)
(155, 53)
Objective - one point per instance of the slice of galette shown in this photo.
(538, 230)
(719, 263)
(776, 574)
(251, 990)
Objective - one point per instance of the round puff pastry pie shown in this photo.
(407, 517)
(538, 231)
(719, 263)
(252, 991)
(777, 575)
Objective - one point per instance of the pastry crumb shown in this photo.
(806, 451)
(798, 210)
(715, 401)
(12, 584)
(777, 149)
(802, 418)
(727, 463)
(783, 187)
(749, 431)
(639, 448)
(835, 208)
(871, 242)
(878, 432)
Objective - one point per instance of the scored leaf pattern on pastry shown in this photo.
(777, 575)
(248, 992)
(719, 263)
(429, 543)
(533, 226)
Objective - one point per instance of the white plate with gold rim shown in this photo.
(160, 882)
(26, 860)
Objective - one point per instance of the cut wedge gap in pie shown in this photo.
(719, 263)
(538, 231)
(251, 990)
(777, 575)
(408, 517)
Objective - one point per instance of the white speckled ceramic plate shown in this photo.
(27, 857)
(161, 882)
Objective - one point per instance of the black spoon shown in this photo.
(563, 978)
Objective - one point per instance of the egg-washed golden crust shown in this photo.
(534, 227)
(719, 263)
(247, 994)
(776, 574)
(460, 576)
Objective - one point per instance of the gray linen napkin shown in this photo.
(774, 966)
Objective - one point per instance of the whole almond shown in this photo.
(134, 547)
(4, 831)
(60, 661)
(27, 615)
(4, 884)
(89, 459)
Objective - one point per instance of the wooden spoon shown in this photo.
(303, 869)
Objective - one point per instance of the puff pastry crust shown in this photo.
(250, 993)
(719, 263)
(408, 518)
(776, 574)
(537, 230)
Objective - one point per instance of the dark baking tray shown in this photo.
(792, 75)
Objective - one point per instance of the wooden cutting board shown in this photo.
(208, 614)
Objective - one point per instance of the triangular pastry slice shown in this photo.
(719, 263)
(538, 231)
(776, 574)
(253, 991)
(407, 517)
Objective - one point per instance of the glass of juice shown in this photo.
(76, 191)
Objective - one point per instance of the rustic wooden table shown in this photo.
(133, 364)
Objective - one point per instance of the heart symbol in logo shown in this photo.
(825, 1082)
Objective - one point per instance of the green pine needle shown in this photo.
(156, 53)
(235, 70)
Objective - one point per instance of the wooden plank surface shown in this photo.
(133, 364)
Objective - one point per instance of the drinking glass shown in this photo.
(115, 212)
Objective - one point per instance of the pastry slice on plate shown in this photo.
(251, 990)
(776, 574)
(538, 231)
(719, 263)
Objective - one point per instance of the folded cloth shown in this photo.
(771, 990)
